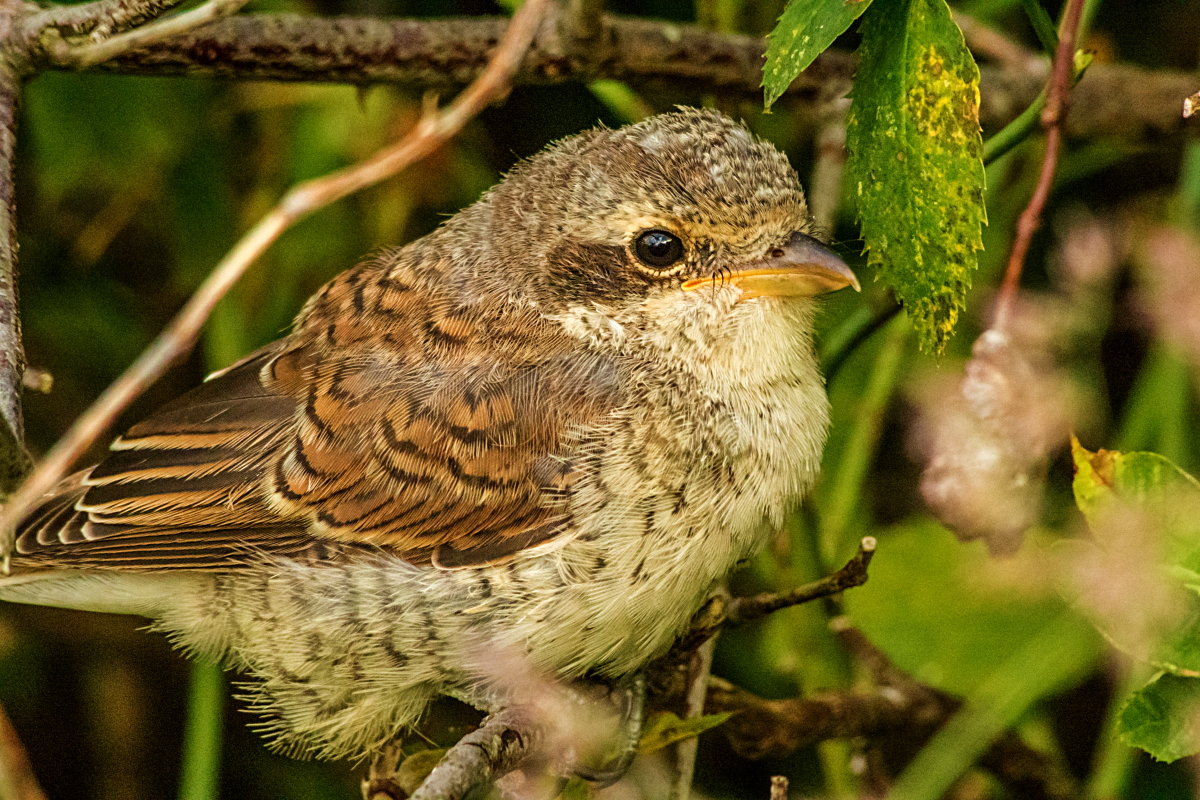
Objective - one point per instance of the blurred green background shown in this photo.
(131, 189)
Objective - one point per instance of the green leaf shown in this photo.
(1051, 658)
(958, 646)
(666, 728)
(1147, 480)
(806, 28)
(1043, 26)
(416, 768)
(916, 159)
(1163, 718)
(1123, 492)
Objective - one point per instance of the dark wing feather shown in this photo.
(394, 416)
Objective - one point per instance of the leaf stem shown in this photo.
(1053, 115)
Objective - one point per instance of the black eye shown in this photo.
(658, 248)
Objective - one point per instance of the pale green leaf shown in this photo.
(1116, 491)
(915, 159)
(806, 28)
(666, 728)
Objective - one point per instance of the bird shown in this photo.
(548, 429)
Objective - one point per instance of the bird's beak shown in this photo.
(801, 268)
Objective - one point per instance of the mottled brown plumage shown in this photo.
(551, 425)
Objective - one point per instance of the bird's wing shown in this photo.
(392, 417)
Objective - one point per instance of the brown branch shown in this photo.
(157, 31)
(497, 747)
(433, 130)
(776, 728)
(1116, 99)
(14, 461)
(763, 728)
(1058, 99)
(99, 19)
(854, 573)
(668, 676)
(17, 781)
(451, 52)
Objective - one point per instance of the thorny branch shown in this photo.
(178, 337)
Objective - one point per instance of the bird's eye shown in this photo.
(658, 248)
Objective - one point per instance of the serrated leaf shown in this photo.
(666, 728)
(1163, 718)
(805, 29)
(916, 159)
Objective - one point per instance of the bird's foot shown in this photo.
(629, 698)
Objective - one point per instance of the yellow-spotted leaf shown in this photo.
(916, 159)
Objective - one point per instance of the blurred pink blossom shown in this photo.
(1170, 294)
(985, 441)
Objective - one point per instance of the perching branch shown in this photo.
(433, 130)
(1117, 100)
(699, 673)
(496, 747)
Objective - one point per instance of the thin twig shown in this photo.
(721, 610)
(86, 55)
(685, 751)
(854, 573)
(1058, 98)
(17, 781)
(177, 338)
(496, 747)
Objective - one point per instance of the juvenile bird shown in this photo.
(550, 428)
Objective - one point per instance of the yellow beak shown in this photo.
(801, 268)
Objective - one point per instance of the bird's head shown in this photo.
(683, 219)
